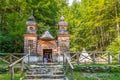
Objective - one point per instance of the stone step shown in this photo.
(47, 64)
(40, 68)
(44, 66)
(47, 79)
(44, 76)
(49, 71)
(44, 69)
(39, 72)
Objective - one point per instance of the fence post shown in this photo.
(119, 57)
(12, 73)
(63, 58)
(72, 74)
(66, 65)
(94, 57)
(29, 56)
(109, 58)
(10, 59)
(22, 66)
(78, 58)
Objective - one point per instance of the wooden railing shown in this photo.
(10, 57)
(95, 57)
(11, 66)
(68, 66)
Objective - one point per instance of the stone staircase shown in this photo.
(48, 71)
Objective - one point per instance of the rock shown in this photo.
(84, 57)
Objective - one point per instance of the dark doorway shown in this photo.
(47, 55)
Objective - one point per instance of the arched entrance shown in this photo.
(47, 54)
(47, 49)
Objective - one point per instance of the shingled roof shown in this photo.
(47, 36)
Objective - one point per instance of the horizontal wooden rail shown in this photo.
(11, 66)
(68, 61)
(71, 66)
(10, 57)
(95, 57)
(18, 61)
(14, 56)
(4, 60)
(12, 53)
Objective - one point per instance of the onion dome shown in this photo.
(31, 20)
(62, 18)
(62, 22)
(47, 36)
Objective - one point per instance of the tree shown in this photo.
(14, 14)
(93, 23)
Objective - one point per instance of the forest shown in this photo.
(93, 24)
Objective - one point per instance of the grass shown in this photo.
(79, 74)
(99, 74)
(113, 64)
(96, 76)
(5, 74)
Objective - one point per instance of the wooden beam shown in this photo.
(4, 60)
(14, 56)
(12, 73)
(17, 61)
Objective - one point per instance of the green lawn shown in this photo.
(8, 77)
(100, 74)
(96, 76)
(79, 73)
(5, 73)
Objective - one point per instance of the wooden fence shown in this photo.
(11, 66)
(10, 57)
(92, 57)
(13, 59)
(95, 57)
(68, 66)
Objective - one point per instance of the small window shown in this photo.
(31, 28)
(30, 43)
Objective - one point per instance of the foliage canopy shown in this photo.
(93, 25)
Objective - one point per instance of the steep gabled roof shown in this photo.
(47, 36)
